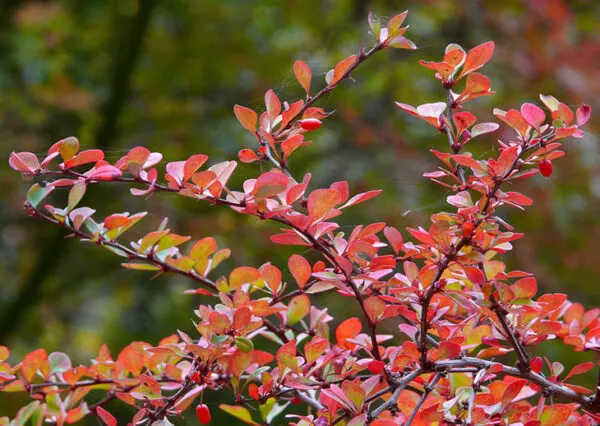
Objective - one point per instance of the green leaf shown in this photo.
(239, 412)
(76, 194)
(68, 148)
(298, 308)
(141, 266)
(59, 362)
(37, 193)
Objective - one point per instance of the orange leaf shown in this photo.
(300, 269)
(246, 116)
(341, 68)
(348, 329)
(321, 201)
(303, 75)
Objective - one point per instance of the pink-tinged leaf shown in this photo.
(401, 42)
(106, 417)
(320, 203)
(394, 237)
(477, 57)
(85, 157)
(80, 215)
(533, 115)
(68, 147)
(434, 109)
(105, 173)
(482, 128)
(270, 184)
(583, 114)
(24, 162)
(298, 308)
(192, 164)
(361, 198)
(273, 105)
(239, 413)
(246, 116)
(303, 75)
(247, 156)
(339, 72)
(300, 269)
(289, 238)
(243, 275)
(448, 350)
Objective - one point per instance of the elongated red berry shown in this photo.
(545, 167)
(203, 414)
(310, 123)
(467, 229)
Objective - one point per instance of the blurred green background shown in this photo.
(165, 74)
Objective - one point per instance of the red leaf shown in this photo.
(303, 75)
(580, 369)
(246, 116)
(361, 198)
(448, 350)
(512, 391)
(85, 157)
(340, 69)
(533, 115)
(106, 417)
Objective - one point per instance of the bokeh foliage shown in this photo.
(166, 73)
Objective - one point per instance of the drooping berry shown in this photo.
(467, 229)
(310, 123)
(376, 367)
(545, 167)
(536, 364)
(203, 414)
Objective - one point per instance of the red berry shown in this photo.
(376, 367)
(310, 123)
(536, 364)
(295, 400)
(545, 167)
(467, 229)
(203, 414)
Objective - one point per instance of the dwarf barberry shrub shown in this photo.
(465, 352)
